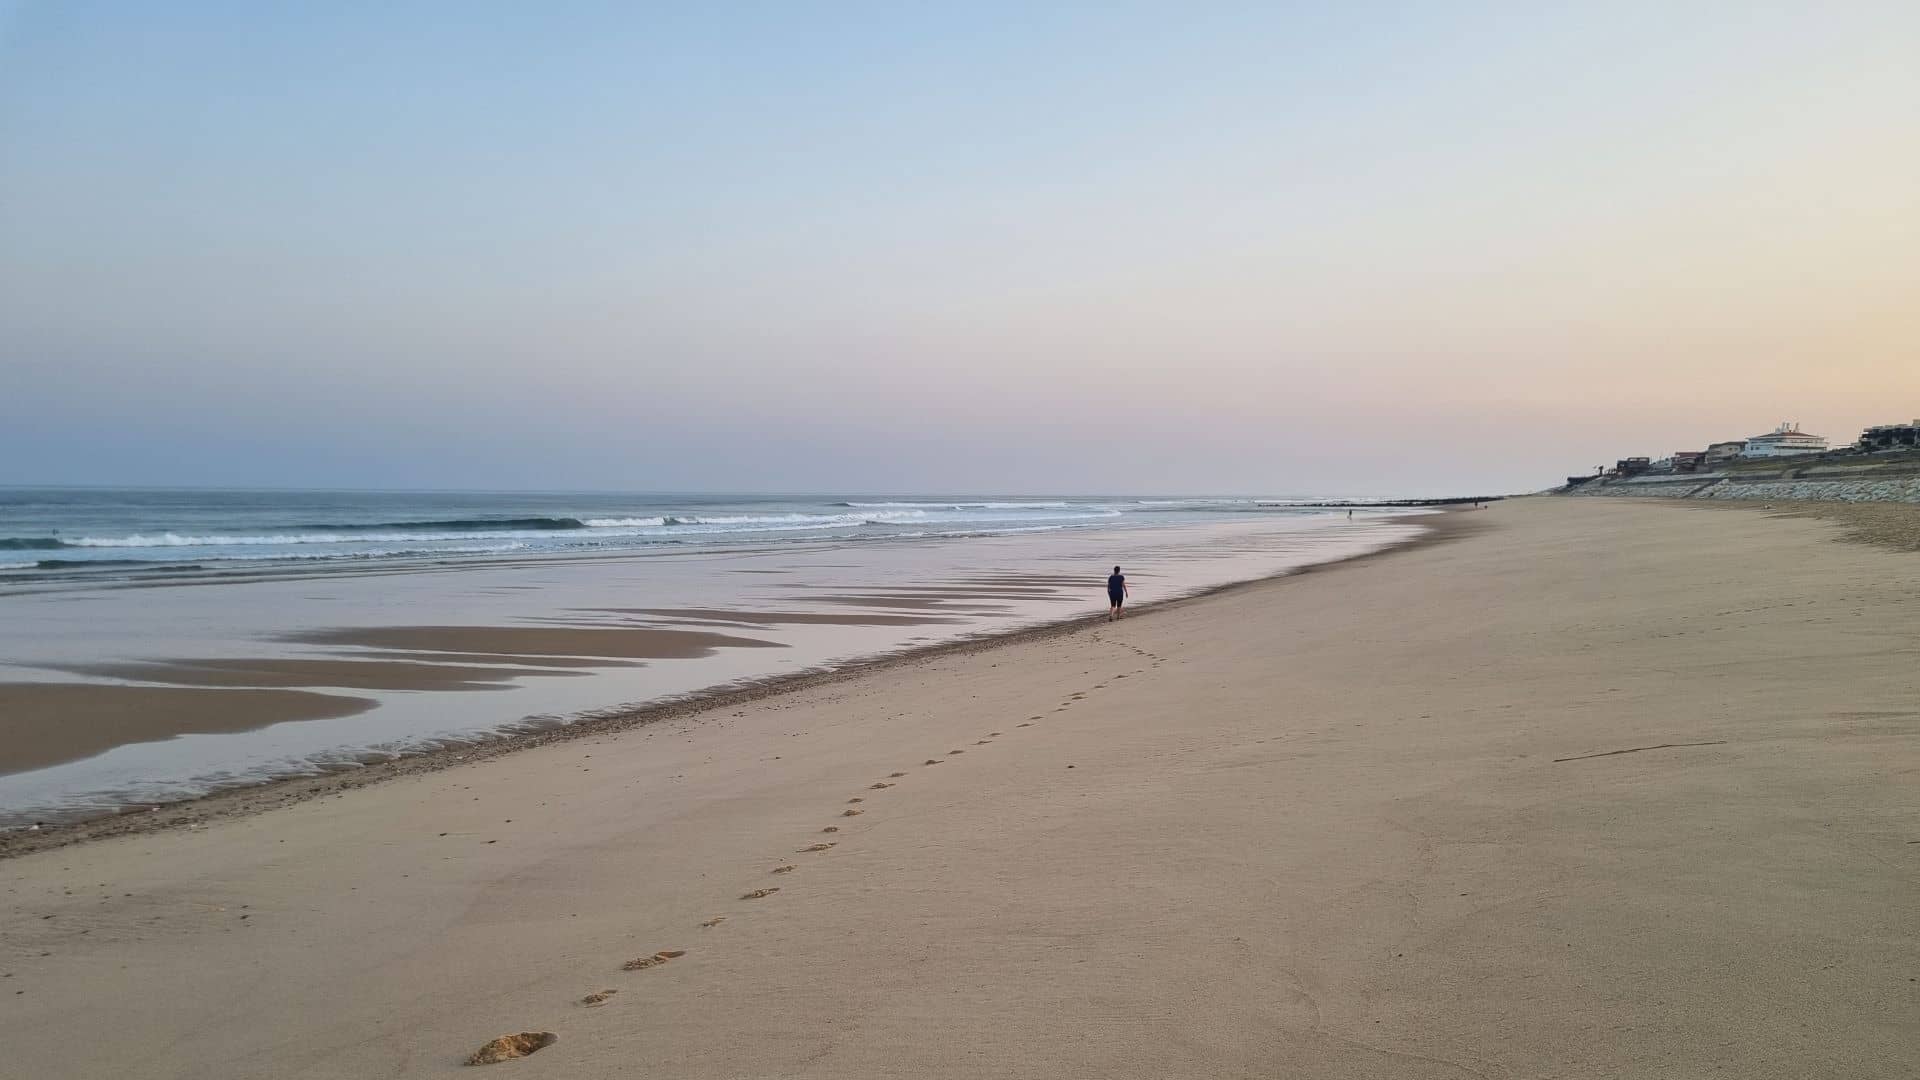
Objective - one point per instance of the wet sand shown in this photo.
(1601, 790)
(45, 724)
(647, 628)
(291, 672)
(524, 641)
(923, 602)
(52, 723)
(779, 618)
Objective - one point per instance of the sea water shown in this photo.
(50, 535)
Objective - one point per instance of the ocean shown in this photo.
(163, 644)
(50, 535)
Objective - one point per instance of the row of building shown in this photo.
(1787, 440)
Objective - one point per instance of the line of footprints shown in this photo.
(853, 809)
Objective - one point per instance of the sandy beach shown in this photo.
(1591, 789)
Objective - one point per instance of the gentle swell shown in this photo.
(95, 564)
(416, 531)
(30, 543)
(528, 524)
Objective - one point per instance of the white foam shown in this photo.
(795, 519)
(381, 553)
(174, 540)
(970, 505)
(600, 529)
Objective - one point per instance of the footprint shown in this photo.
(933, 761)
(598, 998)
(1033, 718)
(758, 894)
(1023, 725)
(787, 869)
(831, 828)
(882, 786)
(856, 799)
(810, 847)
(950, 753)
(980, 742)
(508, 1047)
(713, 922)
(645, 962)
(851, 813)
(993, 734)
(896, 775)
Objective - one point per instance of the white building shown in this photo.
(1784, 441)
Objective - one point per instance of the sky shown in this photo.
(1352, 248)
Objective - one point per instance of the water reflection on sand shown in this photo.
(144, 694)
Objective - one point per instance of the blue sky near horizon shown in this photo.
(984, 247)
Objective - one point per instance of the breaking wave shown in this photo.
(175, 540)
(517, 524)
(965, 505)
(214, 538)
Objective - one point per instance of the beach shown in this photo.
(187, 642)
(1566, 788)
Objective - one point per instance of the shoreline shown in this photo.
(244, 800)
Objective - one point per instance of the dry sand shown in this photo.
(1888, 524)
(1606, 790)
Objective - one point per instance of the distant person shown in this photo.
(1116, 594)
(1349, 515)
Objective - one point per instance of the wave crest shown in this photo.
(519, 524)
(30, 543)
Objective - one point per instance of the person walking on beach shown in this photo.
(1116, 594)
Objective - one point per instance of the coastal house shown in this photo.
(1685, 461)
(1890, 437)
(1787, 440)
(1632, 466)
(1722, 452)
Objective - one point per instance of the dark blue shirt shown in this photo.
(1116, 585)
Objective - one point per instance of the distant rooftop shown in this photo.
(1787, 430)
